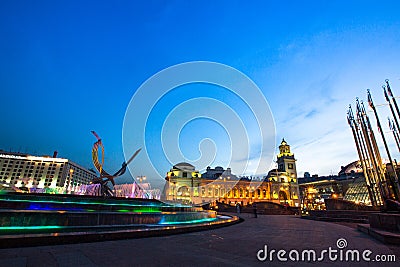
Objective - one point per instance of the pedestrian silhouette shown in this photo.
(255, 210)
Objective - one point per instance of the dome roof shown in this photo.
(354, 166)
(184, 166)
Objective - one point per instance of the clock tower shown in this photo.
(287, 162)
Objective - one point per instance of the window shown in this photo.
(184, 174)
(210, 192)
(235, 192)
(290, 166)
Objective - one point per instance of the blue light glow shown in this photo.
(188, 222)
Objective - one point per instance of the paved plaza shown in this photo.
(235, 245)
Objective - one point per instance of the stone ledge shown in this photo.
(31, 240)
(385, 221)
(381, 235)
(334, 219)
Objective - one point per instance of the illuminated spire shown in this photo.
(284, 149)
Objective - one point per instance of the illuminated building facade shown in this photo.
(313, 194)
(349, 184)
(186, 184)
(183, 183)
(22, 171)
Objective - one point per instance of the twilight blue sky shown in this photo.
(69, 67)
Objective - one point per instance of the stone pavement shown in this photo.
(235, 245)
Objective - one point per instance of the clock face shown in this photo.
(290, 166)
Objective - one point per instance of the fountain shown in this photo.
(36, 219)
(29, 219)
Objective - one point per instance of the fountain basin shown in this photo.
(37, 219)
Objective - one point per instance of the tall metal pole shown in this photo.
(352, 123)
(373, 139)
(383, 185)
(393, 113)
(392, 127)
(364, 150)
(393, 99)
(396, 132)
(374, 180)
(374, 155)
(394, 182)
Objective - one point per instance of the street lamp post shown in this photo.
(141, 178)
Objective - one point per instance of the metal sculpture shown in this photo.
(106, 177)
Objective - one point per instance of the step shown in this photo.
(381, 235)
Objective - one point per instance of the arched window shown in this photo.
(209, 191)
(222, 192)
(183, 191)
